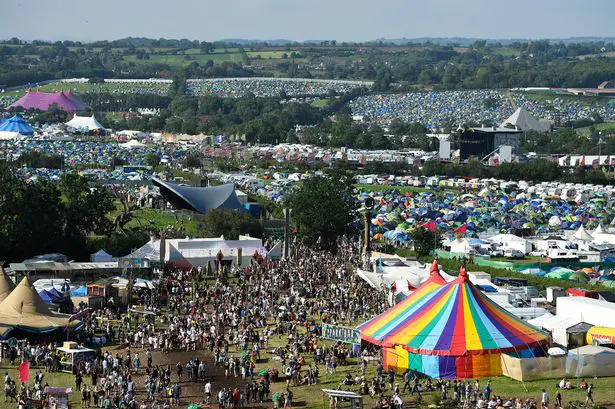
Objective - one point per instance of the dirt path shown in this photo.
(191, 392)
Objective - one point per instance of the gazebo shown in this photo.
(450, 331)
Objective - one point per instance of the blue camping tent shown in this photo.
(55, 294)
(17, 124)
(79, 292)
(46, 296)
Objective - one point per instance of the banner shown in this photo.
(24, 371)
(350, 335)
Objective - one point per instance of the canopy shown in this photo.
(23, 308)
(453, 319)
(200, 199)
(85, 123)
(101, 256)
(16, 124)
(582, 234)
(66, 101)
(132, 144)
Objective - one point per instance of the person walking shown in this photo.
(590, 394)
(544, 401)
(558, 400)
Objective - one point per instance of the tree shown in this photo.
(86, 208)
(193, 160)
(322, 208)
(230, 224)
(152, 159)
(424, 241)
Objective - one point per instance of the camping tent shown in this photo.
(16, 124)
(450, 331)
(79, 292)
(46, 296)
(24, 309)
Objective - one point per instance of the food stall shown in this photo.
(73, 356)
(57, 397)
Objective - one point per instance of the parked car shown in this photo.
(511, 253)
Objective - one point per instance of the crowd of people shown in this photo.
(270, 87)
(222, 323)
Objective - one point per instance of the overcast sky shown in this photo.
(342, 20)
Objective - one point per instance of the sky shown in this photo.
(341, 20)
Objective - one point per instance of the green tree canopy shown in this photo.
(322, 207)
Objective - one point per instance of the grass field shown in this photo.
(384, 188)
(87, 87)
(320, 103)
(608, 126)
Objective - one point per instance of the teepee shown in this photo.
(24, 309)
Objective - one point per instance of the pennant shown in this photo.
(431, 226)
(461, 229)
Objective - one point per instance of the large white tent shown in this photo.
(85, 124)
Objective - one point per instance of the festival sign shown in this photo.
(350, 335)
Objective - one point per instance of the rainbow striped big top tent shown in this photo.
(450, 330)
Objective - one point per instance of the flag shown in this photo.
(431, 226)
(461, 229)
(24, 371)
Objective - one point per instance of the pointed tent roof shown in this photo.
(177, 259)
(18, 125)
(582, 234)
(598, 229)
(6, 285)
(434, 280)
(23, 308)
(101, 256)
(43, 100)
(88, 123)
(454, 319)
(523, 120)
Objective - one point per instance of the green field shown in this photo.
(86, 87)
(384, 188)
(608, 126)
(320, 103)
